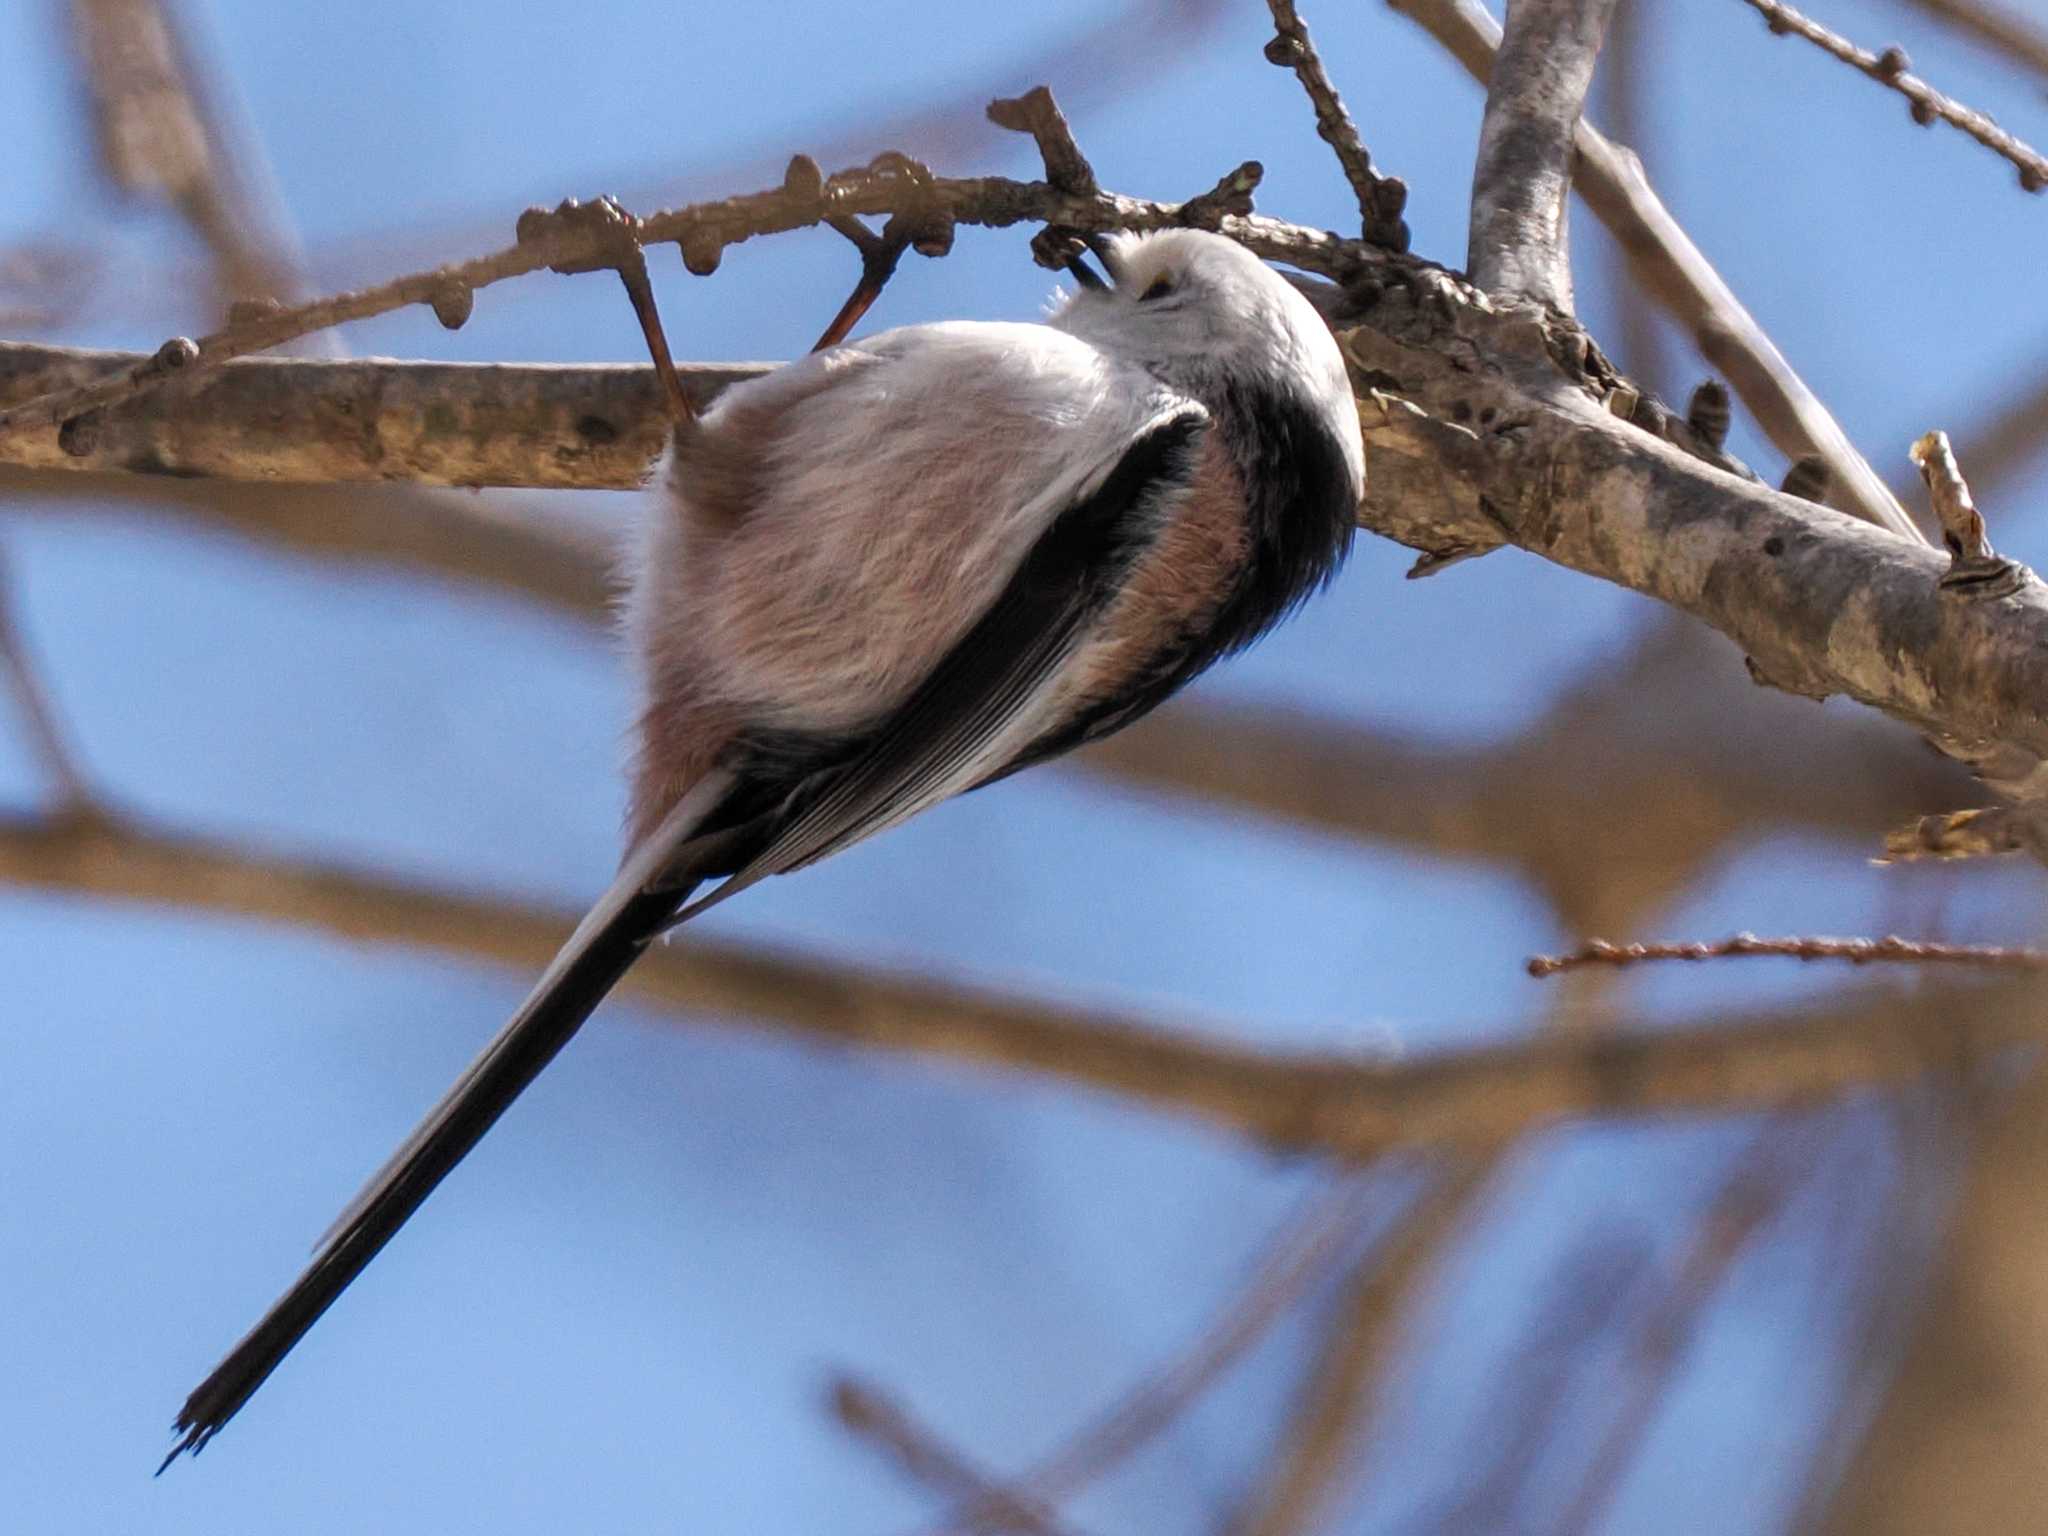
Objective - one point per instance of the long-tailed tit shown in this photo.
(901, 569)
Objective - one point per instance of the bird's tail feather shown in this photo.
(656, 880)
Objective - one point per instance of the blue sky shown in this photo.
(620, 1312)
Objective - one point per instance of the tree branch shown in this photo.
(1891, 68)
(159, 134)
(1491, 449)
(1340, 1104)
(1333, 1414)
(1675, 272)
(1309, 1246)
(1519, 243)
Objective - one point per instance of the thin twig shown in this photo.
(1036, 113)
(1295, 1260)
(1520, 243)
(1998, 449)
(1891, 68)
(1381, 199)
(879, 255)
(1888, 950)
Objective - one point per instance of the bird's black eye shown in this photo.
(1158, 288)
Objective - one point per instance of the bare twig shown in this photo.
(1519, 243)
(1344, 1104)
(1381, 199)
(874, 1416)
(1888, 950)
(1891, 68)
(1626, 89)
(1672, 268)
(1036, 113)
(922, 228)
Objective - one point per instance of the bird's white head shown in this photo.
(1205, 315)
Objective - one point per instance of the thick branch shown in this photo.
(1821, 606)
(294, 420)
(1470, 446)
(1519, 245)
(1343, 1104)
(1679, 276)
(160, 134)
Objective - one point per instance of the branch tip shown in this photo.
(1379, 209)
(1036, 113)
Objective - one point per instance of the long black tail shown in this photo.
(644, 900)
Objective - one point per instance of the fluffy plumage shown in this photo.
(902, 569)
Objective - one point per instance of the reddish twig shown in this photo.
(1519, 242)
(1890, 949)
(1892, 68)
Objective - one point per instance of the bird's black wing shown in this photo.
(740, 823)
(939, 741)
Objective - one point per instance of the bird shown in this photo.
(902, 568)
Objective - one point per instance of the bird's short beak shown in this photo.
(1106, 252)
(1086, 275)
